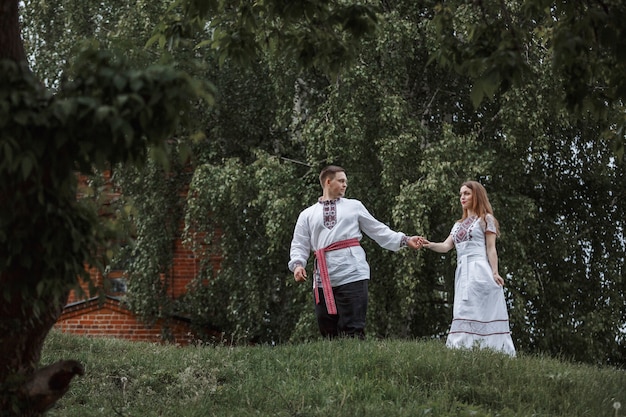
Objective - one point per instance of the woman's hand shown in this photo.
(499, 280)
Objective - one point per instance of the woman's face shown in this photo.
(466, 195)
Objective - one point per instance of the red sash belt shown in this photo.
(320, 254)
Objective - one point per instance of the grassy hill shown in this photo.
(339, 379)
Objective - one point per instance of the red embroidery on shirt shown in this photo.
(330, 213)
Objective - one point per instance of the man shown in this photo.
(332, 229)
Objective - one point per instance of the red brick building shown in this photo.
(93, 316)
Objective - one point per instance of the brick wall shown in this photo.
(86, 315)
(98, 281)
(110, 319)
(184, 269)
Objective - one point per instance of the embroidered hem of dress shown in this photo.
(468, 334)
(480, 328)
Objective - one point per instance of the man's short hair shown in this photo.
(329, 172)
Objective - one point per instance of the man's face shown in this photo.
(337, 186)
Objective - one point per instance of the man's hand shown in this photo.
(415, 242)
(299, 274)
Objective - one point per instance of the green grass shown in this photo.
(340, 378)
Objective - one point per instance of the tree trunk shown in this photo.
(26, 391)
(11, 46)
(24, 324)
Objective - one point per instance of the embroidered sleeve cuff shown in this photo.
(404, 242)
(296, 263)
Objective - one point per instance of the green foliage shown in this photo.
(243, 214)
(314, 33)
(162, 100)
(408, 134)
(39, 196)
(494, 43)
(339, 378)
(130, 109)
(105, 113)
(153, 198)
(568, 185)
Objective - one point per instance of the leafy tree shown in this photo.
(553, 67)
(417, 165)
(583, 41)
(314, 33)
(365, 120)
(573, 243)
(104, 112)
(101, 113)
(409, 135)
(249, 119)
(250, 206)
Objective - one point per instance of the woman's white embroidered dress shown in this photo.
(480, 315)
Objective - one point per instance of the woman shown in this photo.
(480, 316)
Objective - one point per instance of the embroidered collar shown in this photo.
(336, 200)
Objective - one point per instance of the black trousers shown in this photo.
(351, 301)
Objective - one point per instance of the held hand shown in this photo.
(414, 242)
(423, 242)
(299, 274)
